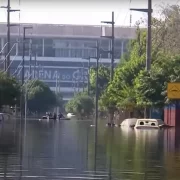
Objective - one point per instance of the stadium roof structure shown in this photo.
(69, 31)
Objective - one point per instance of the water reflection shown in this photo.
(65, 150)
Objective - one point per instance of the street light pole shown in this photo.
(89, 76)
(112, 44)
(88, 85)
(23, 56)
(30, 56)
(8, 36)
(112, 56)
(83, 77)
(22, 78)
(35, 61)
(149, 43)
(96, 104)
(149, 40)
(9, 10)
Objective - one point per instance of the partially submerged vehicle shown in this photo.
(144, 123)
(71, 115)
(149, 124)
(130, 122)
(54, 117)
(4, 117)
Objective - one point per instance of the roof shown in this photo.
(61, 30)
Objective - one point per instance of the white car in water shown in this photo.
(70, 115)
(149, 124)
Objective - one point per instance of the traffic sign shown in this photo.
(173, 90)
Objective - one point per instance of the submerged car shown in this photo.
(130, 122)
(70, 115)
(149, 123)
(143, 123)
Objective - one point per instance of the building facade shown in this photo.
(57, 54)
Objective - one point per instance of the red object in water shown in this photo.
(172, 115)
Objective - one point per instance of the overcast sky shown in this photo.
(76, 11)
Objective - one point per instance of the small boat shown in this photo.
(148, 124)
(51, 118)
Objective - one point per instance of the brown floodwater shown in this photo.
(66, 150)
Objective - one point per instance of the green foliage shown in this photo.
(103, 79)
(151, 86)
(134, 87)
(59, 100)
(40, 97)
(9, 90)
(81, 105)
(106, 102)
(120, 92)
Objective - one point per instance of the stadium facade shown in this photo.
(59, 52)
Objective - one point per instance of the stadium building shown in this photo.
(59, 52)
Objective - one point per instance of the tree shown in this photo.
(40, 96)
(120, 90)
(103, 79)
(151, 86)
(166, 33)
(9, 90)
(81, 105)
(132, 86)
(60, 101)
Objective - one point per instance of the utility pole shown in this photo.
(96, 101)
(8, 36)
(112, 44)
(83, 76)
(149, 41)
(23, 56)
(9, 10)
(88, 85)
(35, 61)
(89, 76)
(22, 78)
(30, 57)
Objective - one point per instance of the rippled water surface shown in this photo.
(66, 150)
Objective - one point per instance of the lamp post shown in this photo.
(9, 10)
(88, 74)
(149, 42)
(24, 39)
(22, 78)
(112, 43)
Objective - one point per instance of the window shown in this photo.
(88, 44)
(89, 53)
(104, 54)
(49, 51)
(20, 48)
(76, 44)
(105, 44)
(62, 52)
(37, 46)
(118, 43)
(92, 52)
(13, 46)
(76, 53)
(117, 53)
(60, 44)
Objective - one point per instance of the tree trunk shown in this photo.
(111, 117)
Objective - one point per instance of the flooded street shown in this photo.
(65, 150)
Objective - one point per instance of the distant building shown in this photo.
(58, 52)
